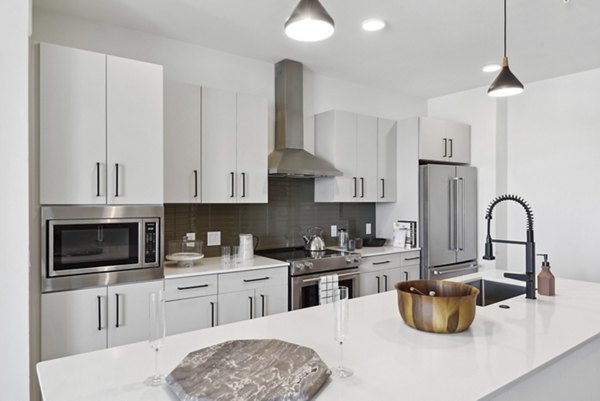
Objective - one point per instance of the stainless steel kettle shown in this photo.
(313, 240)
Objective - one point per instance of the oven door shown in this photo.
(304, 290)
(92, 246)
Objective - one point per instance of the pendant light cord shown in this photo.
(504, 28)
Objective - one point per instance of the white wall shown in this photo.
(475, 108)
(544, 146)
(554, 162)
(14, 240)
(194, 64)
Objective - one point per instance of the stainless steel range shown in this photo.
(306, 269)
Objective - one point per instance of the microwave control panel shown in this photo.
(150, 242)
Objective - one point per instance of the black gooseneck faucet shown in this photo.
(529, 276)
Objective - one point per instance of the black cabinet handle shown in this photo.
(232, 183)
(97, 179)
(262, 300)
(212, 314)
(362, 187)
(99, 313)
(450, 140)
(382, 263)
(378, 284)
(250, 280)
(251, 307)
(117, 296)
(117, 180)
(243, 185)
(415, 258)
(193, 286)
(382, 188)
(406, 276)
(445, 148)
(354, 184)
(385, 282)
(195, 183)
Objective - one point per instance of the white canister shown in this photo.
(246, 250)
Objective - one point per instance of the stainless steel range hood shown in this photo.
(289, 159)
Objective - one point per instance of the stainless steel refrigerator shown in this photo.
(448, 219)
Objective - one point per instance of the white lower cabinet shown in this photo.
(236, 306)
(381, 273)
(90, 319)
(191, 314)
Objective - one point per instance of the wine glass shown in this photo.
(157, 332)
(340, 309)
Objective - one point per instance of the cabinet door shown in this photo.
(459, 145)
(72, 126)
(366, 158)
(346, 186)
(410, 273)
(390, 277)
(386, 161)
(191, 314)
(128, 312)
(219, 146)
(73, 322)
(236, 306)
(370, 283)
(252, 149)
(182, 143)
(271, 300)
(134, 104)
(433, 143)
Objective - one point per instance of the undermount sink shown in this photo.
(491, 292)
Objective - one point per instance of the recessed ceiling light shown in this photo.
(491, 68)
(373, 24)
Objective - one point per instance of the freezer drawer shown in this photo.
(446, 272)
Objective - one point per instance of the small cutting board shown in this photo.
(249, 370)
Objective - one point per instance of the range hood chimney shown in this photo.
(289, 159)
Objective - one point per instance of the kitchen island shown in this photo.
(541, 349)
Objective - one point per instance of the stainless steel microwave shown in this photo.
(84, 246)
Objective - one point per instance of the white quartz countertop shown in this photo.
(378, 250)
(214, 266)
(391, 361)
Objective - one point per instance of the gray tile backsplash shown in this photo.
(290, 210)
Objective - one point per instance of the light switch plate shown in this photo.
(334, 231)
(213, 238)
(368, 229)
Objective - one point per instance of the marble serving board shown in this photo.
(249, 370)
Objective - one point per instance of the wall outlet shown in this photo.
(190, 236)
(368, 229)
(213, 238)
(334, 231)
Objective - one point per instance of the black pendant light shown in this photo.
(309, 22)
(505, 84)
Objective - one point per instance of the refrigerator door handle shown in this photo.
(454, 214)
(462, 213)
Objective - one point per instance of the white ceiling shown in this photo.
(430, 47)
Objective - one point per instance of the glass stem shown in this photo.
(156, 363)
(341, 354)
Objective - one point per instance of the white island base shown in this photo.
(544, 349)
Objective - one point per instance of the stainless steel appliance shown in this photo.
(84, 246)
(448, 214)
(306, 269)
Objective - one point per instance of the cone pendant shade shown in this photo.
(309, 22)
(505, 84)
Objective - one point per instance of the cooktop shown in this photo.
(290, 254)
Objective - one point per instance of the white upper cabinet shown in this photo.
(234, 147)
(98, 112)
(351, 143)
(134, 139)
(444, 141)
(182, 143)
(72, 126)
(386, 160)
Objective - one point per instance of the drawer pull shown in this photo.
(415, 258)
(191, 287)
(382, 263)
(250, 280)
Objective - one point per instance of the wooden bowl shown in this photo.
(451, 310)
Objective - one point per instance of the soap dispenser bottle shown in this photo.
(545, 278)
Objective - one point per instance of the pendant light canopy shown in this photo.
(309, 22)
(505, 84)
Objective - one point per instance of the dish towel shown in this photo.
(327, 288)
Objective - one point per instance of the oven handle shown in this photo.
(310, 280)
(438, 272)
